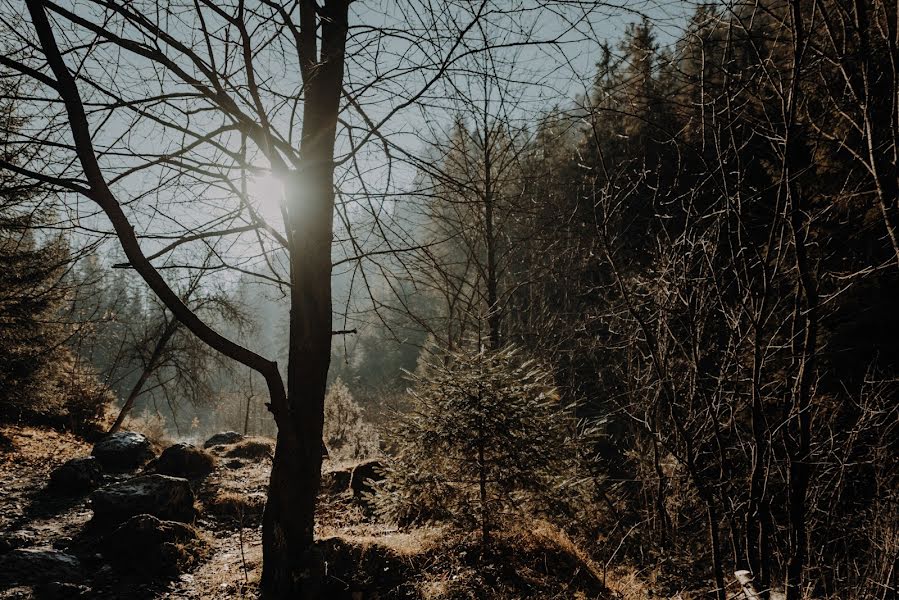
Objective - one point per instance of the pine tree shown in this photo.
(30, 297)
(486, 438)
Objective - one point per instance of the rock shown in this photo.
(235, 463)
(364, 474)
(123, 450)
(76, 476)
(62, 543)
(336, 482)
(15, 539)
(225, 437)
(253, 448)
(185, 460)
(29, 566)
(158, 495)
(149, 545)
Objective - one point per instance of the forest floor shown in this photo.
(364, 559)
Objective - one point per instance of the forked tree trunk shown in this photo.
(292, 567)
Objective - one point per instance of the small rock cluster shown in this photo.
(142, 519)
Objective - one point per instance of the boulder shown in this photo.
(123, 450)
(224, 437)
(158, 495)
(30, 566)
(185, 460)
(364, 474)
(76, 476)
(336, 482)
(149, 545)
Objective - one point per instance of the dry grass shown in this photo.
(410, 543)
(251, 448)
(39, 450)
(626, 583)
(548, 533)
(235, 505)
(535, 560)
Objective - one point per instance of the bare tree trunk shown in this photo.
(246, 415)
(714, 540)
(800, 465)
(290, 567)
(806, 322)
(493, 314)
(482, 472)
(758, 513)
(661, 486)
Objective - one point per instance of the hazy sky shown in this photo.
(384, 71)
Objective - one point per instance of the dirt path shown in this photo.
(363, 559)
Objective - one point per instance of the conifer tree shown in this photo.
(29, 292)
(40, 380)
(30, 296)
(486, 438)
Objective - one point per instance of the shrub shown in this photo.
(151, 424)
(346, 434)
(85, 399)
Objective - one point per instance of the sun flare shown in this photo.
(266, 192)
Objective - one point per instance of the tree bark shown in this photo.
(292, 567)
(714, 540)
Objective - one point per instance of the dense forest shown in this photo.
(649, 306)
